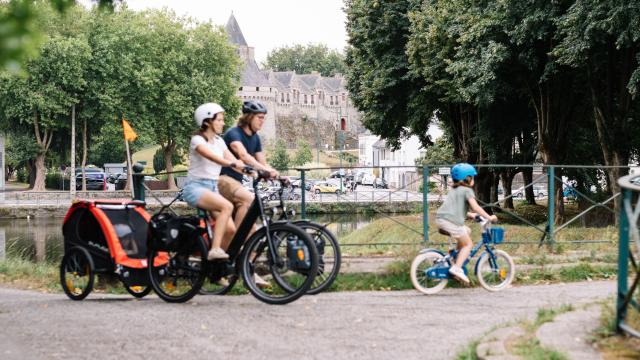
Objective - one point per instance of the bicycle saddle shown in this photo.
(444, 232)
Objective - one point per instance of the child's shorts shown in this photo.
(194, 189)
(455, 230)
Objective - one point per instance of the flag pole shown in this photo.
(129, 166)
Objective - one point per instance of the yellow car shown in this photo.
(325, 187)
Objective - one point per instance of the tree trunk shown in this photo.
(507, 183)
(527, 175)
(40, 171)
(168, 155)
(31, 170)
(84, 154)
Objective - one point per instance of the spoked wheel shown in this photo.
(420, 280)
(181, 277)
(495, 274)
(287, 277)
(329, 258)
(214, 283)
(76, 273)
(139, 291)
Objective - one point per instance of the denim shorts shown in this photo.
(194, 189)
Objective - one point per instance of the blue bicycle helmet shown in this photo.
(461, 171)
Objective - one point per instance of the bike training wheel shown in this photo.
(288, 278)
(76, 273)
(495, 274)
(139, 291)
(329, 256)
(419, 278)
(182, 276)
(213, 285)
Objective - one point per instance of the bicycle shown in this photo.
(329, 256)
(284, 252)
(495, 269)
(327, 245)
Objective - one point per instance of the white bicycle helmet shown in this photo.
(206, 111)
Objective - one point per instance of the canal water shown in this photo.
(41, 240)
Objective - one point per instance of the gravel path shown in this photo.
(347, 325)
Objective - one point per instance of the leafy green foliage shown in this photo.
(158, 160)
(278, 156)
(303, 155)
(305, 59)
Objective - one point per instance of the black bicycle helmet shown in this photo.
(253, 107)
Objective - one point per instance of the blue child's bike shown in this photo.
(494, 270)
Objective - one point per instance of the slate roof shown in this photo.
(252, 76)
(234, 32)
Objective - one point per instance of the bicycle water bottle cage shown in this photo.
(438, 271)
(298, 254)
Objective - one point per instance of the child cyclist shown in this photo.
(207, 154)
(455, 208)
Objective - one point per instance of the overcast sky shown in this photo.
(267, 25)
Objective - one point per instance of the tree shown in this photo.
(390, 96)
(159, 162)
(278, 156)
(303, 155)
(20, 148)
(441, 152)
(305, 59)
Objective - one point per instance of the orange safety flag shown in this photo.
(129, 134)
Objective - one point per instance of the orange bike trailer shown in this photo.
(106, 237)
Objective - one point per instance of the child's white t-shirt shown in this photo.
(201, 167)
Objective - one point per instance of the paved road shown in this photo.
(348, 325)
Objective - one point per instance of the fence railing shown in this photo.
(628, 309)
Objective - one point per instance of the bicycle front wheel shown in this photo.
(419, 278)
(287, 277)
(495, 273)
(329, 257)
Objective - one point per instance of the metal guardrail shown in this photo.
(628, 309)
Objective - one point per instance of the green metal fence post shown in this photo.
(551, 203)
(303, 188)
(623, 261)
(138, 182)
(425, 204)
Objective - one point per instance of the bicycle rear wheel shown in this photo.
(182, 276)
(495, 274)
(329, 256)
(419, 278)
(77, 273)
(290, 274)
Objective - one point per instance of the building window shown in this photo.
(257, 88)
(331, 100)
(344, 97)
(288, 100)
(282, 97)
(312, 99)
(240, 88)
(305, 98)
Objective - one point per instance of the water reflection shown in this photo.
(41, 239)
(36, 240)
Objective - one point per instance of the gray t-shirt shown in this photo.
(455, 205)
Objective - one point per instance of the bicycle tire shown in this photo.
(326, 244)
(180, 279)
(419, 278)
(256, 258)
(77, 273)
(489, 272)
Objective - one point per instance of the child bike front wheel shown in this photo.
(419, 278)
(497, 272)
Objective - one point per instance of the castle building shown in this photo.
(301, 106)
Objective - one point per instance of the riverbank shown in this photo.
(24, 211)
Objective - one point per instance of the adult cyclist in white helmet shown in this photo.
(208, 153)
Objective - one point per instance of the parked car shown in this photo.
(121, 181)
(367, 179)
(94, 180)
(325, 187)
(380, 183)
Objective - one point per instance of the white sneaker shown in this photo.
(458, 273)
(222, 282)
(217, 254)
(260, 282)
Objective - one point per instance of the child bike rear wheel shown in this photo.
(287, 278)
(76, 273)
(495, 274)
(419, 279)
(181, 277)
